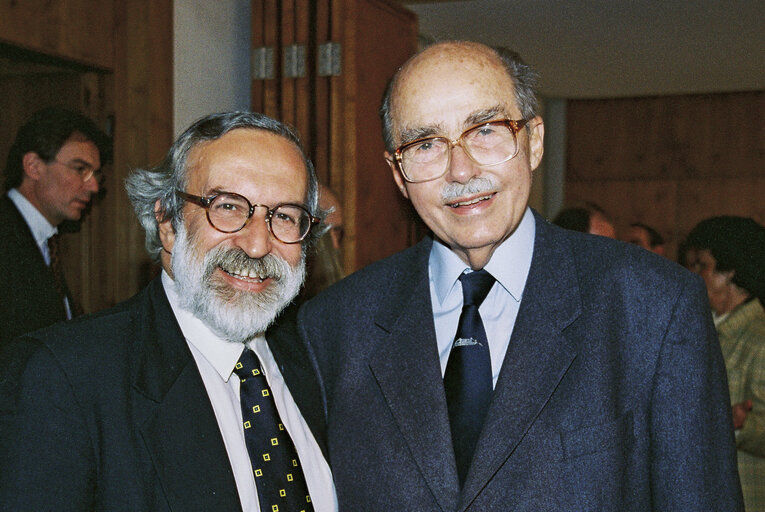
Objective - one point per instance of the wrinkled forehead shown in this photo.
(447, 86)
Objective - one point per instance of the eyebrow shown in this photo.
(483, 116)
(80, 161)
(477, 117)
(411, 134)
(216, 191)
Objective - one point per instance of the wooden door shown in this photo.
(336, 113)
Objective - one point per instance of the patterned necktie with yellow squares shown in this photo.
(275, 464)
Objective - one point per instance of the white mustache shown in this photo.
(477, 185)
(237, 261)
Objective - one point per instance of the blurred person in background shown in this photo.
(587, 218)
(646, 237)
(730, 256)
(51, 174)
(324, 265)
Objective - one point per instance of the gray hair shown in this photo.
(524, 78)
(147, 186)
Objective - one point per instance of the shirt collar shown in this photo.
(41, 229)
(446, 266)
(221, 354)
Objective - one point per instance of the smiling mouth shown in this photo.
(471, 202)
(245, 275)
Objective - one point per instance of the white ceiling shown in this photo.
(612, 48)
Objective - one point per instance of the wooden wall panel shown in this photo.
(76, 29)
(303, 119)
(287, 38)
(656, 208)
(321, 27)
(143, 130)
(337, 115)
(86, 262)
(383, 38)
(708, 151)
(271, 89)
(257, 9)
(25, 89)
(340, 179)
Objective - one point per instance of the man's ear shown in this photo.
(33, 165)
(397, 177)
(166, 231)
(536, 141)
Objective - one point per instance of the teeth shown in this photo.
(244, 274)
(473, 201)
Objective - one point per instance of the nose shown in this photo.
(91, 185)
(255, 238)
(461, 167)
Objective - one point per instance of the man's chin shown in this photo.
(237, 326)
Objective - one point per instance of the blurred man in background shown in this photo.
(51, 175)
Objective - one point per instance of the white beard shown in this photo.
(234, 315)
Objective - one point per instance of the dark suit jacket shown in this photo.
(109, 412)
(612, 395)
(28, 296)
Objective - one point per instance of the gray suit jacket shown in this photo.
(109, 412)
(612, 395)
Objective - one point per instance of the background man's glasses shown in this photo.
(228, 213)
(86, 171)
(489, 143)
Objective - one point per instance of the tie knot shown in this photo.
(248, 364)
(475, 287)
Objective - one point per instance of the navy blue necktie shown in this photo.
(467, 380)
(275, 464)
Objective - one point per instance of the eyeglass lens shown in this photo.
(487, 144)
(230, 212)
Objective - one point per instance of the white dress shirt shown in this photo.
(215, 359)
(509, 265)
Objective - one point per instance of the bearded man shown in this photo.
(188, 396)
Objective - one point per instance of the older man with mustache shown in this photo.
(191, 395)
(504, 363)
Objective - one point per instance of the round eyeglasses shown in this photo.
(489, 143)
(228, 213)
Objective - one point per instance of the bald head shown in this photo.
(455, 54)
(461, 91)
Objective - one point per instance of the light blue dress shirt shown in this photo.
(509, 265)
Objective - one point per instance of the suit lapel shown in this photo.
(179, 429)
(31, 263)
(291, 356)
(407, 369)
(538, 357)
